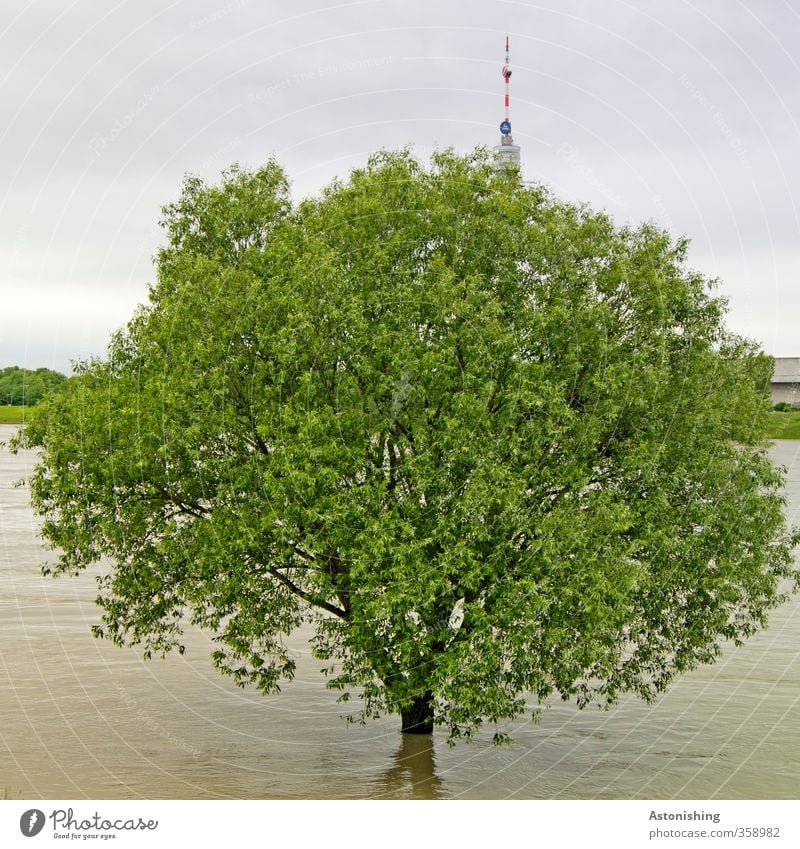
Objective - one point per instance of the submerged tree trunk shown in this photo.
(417, 717)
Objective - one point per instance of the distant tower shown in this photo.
(507, 152)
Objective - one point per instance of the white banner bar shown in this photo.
(389, 824)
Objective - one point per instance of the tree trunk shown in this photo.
(417, 717)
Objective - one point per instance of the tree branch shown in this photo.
(306, 596)
(305, 555)
(240, 402)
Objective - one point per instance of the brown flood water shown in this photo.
(80, 718)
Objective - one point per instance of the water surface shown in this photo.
(84, 719)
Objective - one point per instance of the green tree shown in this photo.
(488, 443)
(25, 387)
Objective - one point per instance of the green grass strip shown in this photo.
(784, 425)
(11, 415)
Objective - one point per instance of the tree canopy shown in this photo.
(24, 387)
(492, 446)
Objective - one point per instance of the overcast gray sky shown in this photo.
(685, 113)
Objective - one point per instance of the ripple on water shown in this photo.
(82, 718)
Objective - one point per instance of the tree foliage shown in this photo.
(488, 443)
(25, 387)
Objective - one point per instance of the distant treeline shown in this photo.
(23, 387)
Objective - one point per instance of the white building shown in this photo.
(785, 383)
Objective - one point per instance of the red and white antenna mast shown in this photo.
(508, 152)
(507, 78)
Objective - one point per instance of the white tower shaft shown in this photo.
(507, 152)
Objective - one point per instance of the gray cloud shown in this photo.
(683, 114)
